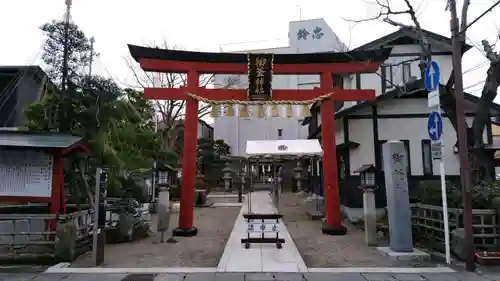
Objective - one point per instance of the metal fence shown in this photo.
(28, 236)
(428, 225)
(25, 235)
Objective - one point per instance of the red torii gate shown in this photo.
(196, 63)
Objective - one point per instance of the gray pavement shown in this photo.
(458, 276)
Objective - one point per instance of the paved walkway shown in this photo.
(222, 276)
(260, 257)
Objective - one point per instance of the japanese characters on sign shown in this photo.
(261, 227)
(399, 172)
(260, 75)
(317, 33)
(25, 173)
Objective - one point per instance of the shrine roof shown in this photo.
(139, 52)
(37, 140)
(270, 148)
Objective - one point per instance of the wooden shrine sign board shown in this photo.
(25, 173)
(260, 76)
(262, 224)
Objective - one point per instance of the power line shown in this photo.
(475, 45)
(477, 66)
(474, 85)
(11, 87)
(482, 15)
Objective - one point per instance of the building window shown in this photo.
(388, 75)
(358, 84)
(427, 157)
(338, 81)
(341, 168)
(408, 156)
(381, 164)
(406, 72)
(358, 81)
(280, 133)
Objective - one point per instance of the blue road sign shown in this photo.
(435, 126)
(432, 76)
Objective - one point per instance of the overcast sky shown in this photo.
(210, 25)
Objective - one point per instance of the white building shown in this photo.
(399, 113)
(303, 37)
(205, 130)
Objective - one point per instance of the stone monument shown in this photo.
(398, 203)
(370, 216)
(164, 214)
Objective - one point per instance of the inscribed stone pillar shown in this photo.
(370, 215)
(398, 202)
(163, 210)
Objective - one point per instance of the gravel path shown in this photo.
(320, 250)
(204, 250)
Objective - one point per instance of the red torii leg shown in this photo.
(186, 212)
(333, 223)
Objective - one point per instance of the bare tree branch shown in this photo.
(417, 28)
(480, 159)
(170, 112)
(463, 20)
(488, 94)
(385, 12)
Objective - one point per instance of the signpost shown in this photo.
(435, 131)
(99, 236)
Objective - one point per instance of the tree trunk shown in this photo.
(481, 160)
(90, 197)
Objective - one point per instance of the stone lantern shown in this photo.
(161, 179)
(162, 176)
(297, 171)
(369, 185)
(243, 177)
(228, 176)
(367, 175)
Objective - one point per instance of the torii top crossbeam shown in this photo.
(196, 63)
(174, 61)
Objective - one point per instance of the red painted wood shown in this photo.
(77, 146)
(353, 95)
(330, 177)
(332, 200)
(156, 65)
(165, 93)
(186, 212)
(241, 94)
(57, 189)
(26, 199)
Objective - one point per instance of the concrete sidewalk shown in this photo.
(241, 276)
(260, 257)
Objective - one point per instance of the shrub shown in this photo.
(429, 192)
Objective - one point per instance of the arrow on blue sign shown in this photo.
(435, 126)
(432, 76)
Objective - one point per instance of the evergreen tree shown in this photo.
(79, 51)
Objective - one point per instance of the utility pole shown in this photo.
(66, 39)
(462, 136)
(92, 40)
